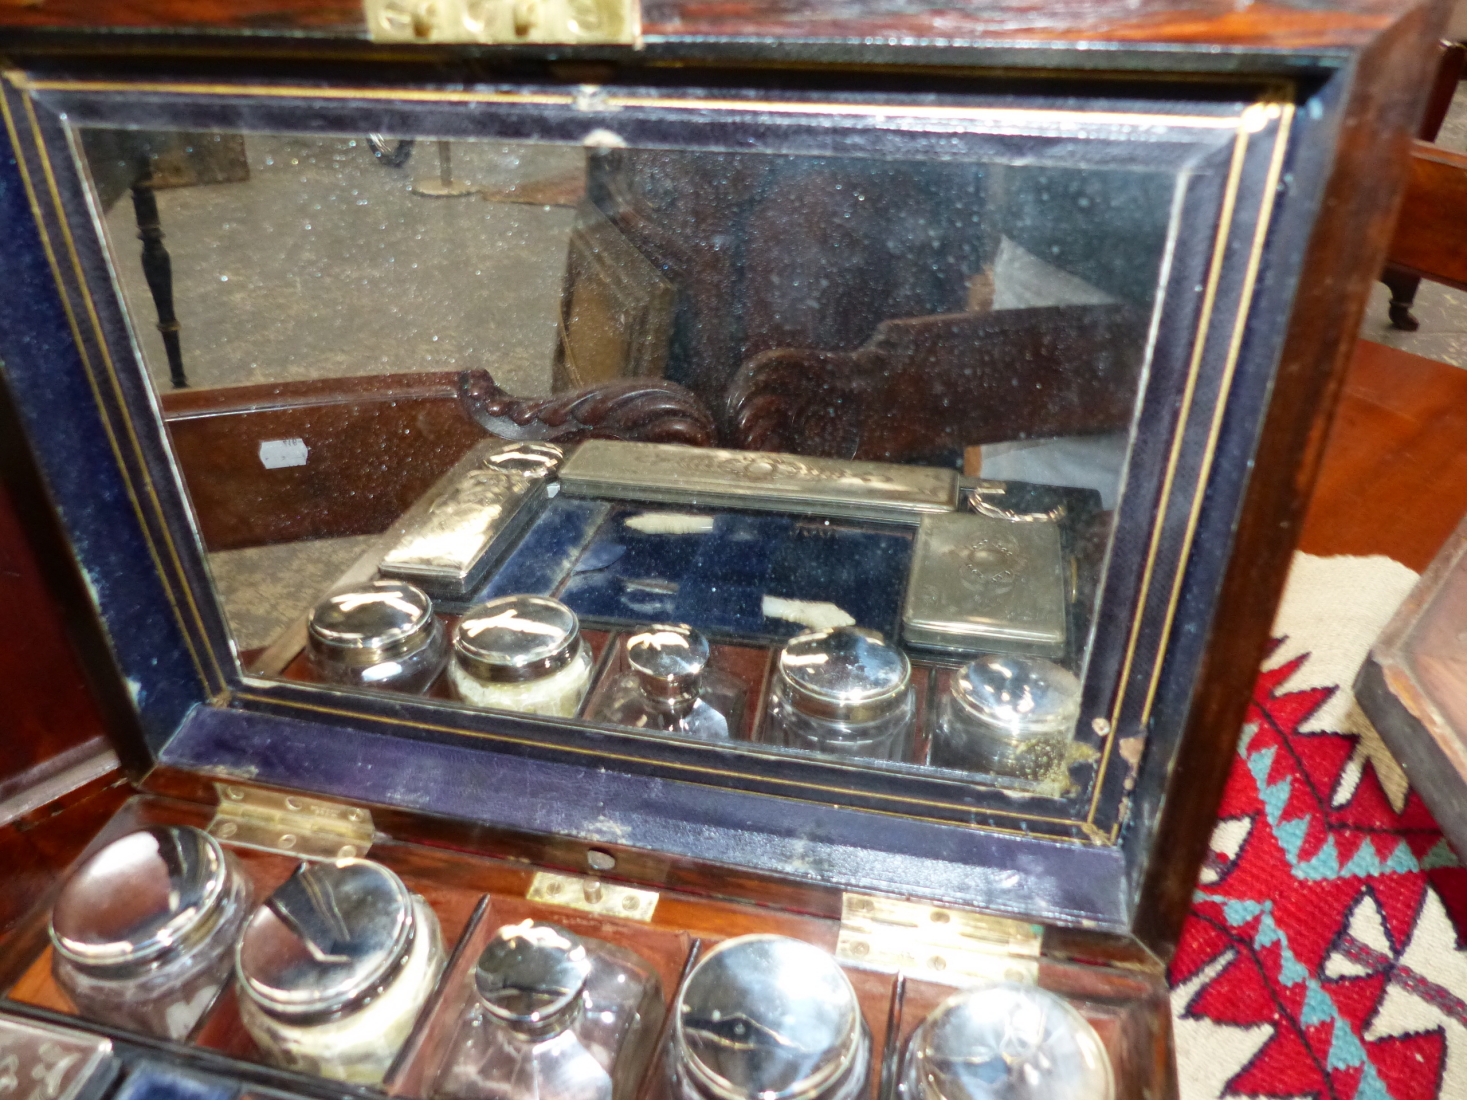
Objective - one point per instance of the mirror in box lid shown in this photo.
(757, 381)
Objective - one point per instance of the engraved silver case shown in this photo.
(760, 480)
(983, 582)
(446, 543)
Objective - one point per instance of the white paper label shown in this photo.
(275, 454)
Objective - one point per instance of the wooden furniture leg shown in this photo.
(158, 270)
(1403, 284)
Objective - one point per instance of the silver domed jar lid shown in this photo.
(327, 941)
(845, 673)
(1006, 1042)
(379, 621)
(530, 978)
(1021, 696)
(668, 659)
(528, 457)
(517, 638)
(140, 900)
(768, 1017)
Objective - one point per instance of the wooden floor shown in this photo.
(1394, 477)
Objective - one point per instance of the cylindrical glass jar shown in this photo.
(845, 691)
(1007, 716)
(669, 687)
(382, 634)
(334, 968)
(553, 1016)
(143, 932)
(1004, 1041)
(768, 1018)
(521, 653)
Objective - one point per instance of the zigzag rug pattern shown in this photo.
(1323, 957)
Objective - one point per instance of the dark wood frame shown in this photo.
(1348, 69)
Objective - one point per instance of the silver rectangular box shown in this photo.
(760, 480)
(471, 517)
(981, 582)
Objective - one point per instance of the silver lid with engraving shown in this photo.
(141, 900)
(771, 1018)
(51, 1063)
(327, 941)
(530, 976)
(516, 638)
(845, 673)
(1006, 1041)
(980, 581)
(758, 479)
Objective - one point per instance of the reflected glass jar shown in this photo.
(768, 1018)
(1004, 1041)
(553, 1016)
(334, 968)
(671, 688)
(1006, 715)
(382, 634)
(521, 653)
(845, 691)
(143, 932)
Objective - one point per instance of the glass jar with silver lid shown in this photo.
(846, 691)
(381, 634)
(143, 931)
(1006, 716)
(669, 687)
(1004, 1041)
(766, 1017)
(553, 1016)
(334, 968)
(521, 653)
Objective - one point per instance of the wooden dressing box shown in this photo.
(1087, 277)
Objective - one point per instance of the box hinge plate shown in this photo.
(934, 942)
(605, 899)
(290, 824)
(505, 22)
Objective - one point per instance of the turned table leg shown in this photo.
(158, 270)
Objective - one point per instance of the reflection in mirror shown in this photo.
(854, 425)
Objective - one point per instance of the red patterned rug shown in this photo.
(1324, 957)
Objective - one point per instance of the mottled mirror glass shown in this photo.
(759, 441)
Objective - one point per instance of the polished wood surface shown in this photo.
(48, 710)
(1431, 236)
(1345, 252)
(1394, 477)
(1344, 23)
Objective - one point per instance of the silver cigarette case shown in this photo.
(984, 582)
(446, 543)
(761, 480)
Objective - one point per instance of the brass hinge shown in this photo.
(505, 22)
(290, 824)
(606, 899)
(935, 942)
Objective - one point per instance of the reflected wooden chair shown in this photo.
(923, 389)
(1422, 210)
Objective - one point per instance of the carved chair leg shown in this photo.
(1403, 294)
(158, 270)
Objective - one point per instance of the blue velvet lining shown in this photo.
(582, 552)
(158, 1082)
